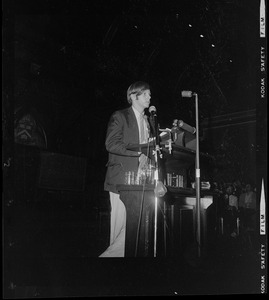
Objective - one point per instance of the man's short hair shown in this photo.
(136, 88)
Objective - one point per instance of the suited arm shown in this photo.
(114, 138)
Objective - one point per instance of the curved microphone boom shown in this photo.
(154, 122)
(186, 127)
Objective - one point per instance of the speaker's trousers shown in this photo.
(117, 227)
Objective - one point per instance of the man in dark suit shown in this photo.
(125, 128)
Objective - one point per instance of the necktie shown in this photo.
(143, 133)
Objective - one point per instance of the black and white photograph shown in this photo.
(134, 148)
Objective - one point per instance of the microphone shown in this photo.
(154, 123)
(187, 94)
(186, 127)
(152, 110)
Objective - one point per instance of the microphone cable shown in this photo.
(142, 204)
(141, 207)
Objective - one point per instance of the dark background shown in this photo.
(73, 61)
(69, 64)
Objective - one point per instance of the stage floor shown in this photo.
(55, 254)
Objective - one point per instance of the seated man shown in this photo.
(247, 207)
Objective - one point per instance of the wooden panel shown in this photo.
(62, 172)
(182, 223)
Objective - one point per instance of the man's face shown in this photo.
(143, 100)
(248, 187)
(229, 190)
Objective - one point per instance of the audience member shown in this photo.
(237, 188)
(247, 207)
(230, 211)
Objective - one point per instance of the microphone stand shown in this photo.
(189, 94)
(157, 155)
(197, 179)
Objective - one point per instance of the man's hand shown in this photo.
(143, 161)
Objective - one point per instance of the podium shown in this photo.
(176, 213)
(175, 220)
(139, 202)
(182, 221)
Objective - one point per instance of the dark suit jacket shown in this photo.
(122, 132)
